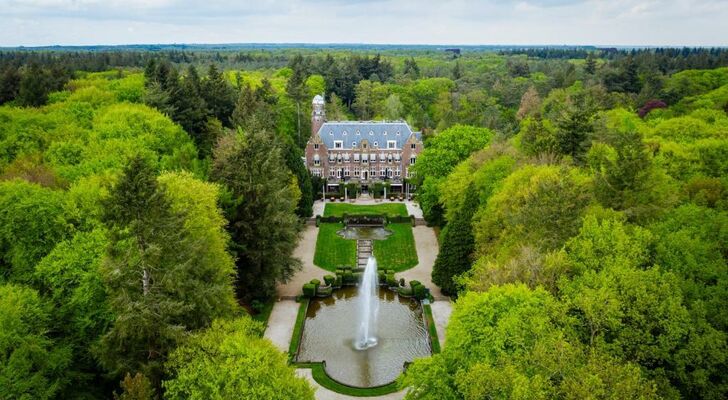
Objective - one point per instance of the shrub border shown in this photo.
(318, 371)
(431, 328)
(298, 330)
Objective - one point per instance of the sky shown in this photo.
(498, 22)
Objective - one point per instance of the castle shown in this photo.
(362, 152)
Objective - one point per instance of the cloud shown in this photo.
(600, 22)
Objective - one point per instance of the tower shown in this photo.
(318, 113)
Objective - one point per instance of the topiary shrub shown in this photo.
(401, 281)
(315, 282)
(391, 280)
(309, 290)
(404, 291)
(348, 278)
(414, 283)
(329, 279)
(420, 292)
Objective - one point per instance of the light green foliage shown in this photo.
(32, 366)
(510, 342)
(442, 153)
(485, 169)
(70, 278)
(164, 271)
(230, 361)
(540, 206)
(32, 221)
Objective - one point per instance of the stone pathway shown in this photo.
(363, 252)
(283, 316)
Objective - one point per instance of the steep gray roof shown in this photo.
(356, 131)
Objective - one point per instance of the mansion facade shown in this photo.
(362, 152)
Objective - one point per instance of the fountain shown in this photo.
(368, 307)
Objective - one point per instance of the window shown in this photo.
(315, 146)
(371, 133)
(373, 172)
(412, 160)
(376, 144)
(356, 171)
(382, 172)
(413, 146)
(332, 172)
(316, 160)
(397, 172)
(398, 133)
(353, 144)
(391, 144)
(356, 157)
(346, 157)
(331, 133)
(385, 133)
(364, 146)
(357, 132)
(338, 173)
(346, 172)
(344, 133)
(338, 144)
(374, 157)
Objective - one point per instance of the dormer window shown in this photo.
(385, 133)
(357, 132)
(376, 144)
(371, 133)
(398, 133)
(353, 144)
(344, 133)
(331, 133)
(391, 144)
(338, 144)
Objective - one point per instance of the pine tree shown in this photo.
(590, 66)
(219, 95)
(159, 276)
(260, 209)
(458, 245)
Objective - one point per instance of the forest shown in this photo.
(151, 200)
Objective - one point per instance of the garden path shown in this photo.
(283, 316)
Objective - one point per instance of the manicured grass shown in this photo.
(323, 379)
(434, 340)
(397, 252)
(297, 330)
(332, 250)
(391, 209)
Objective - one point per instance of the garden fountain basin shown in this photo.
(330, 329)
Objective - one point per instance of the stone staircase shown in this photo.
(363, 251)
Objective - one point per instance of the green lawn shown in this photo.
(332, 250)
(397, 252)
(391, 209)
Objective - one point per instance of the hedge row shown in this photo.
(349, 276)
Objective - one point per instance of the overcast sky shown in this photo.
(573, 22)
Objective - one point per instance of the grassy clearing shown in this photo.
(398, 251)
(391, 209)
(323, 379)
(332, 250)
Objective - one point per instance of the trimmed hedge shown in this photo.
(309, 290)
(399, 219)
(297, 330)
(329, 279)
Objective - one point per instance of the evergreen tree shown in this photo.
(458, 244)
(260, 209)
(161, 276)
(33, 90)
(411, 68)
(590, 65)
(219, 95)
(9, 84)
